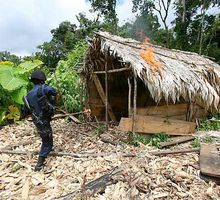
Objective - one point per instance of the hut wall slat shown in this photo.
(175, 111)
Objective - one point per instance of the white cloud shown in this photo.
(124, 11)
(25, 24)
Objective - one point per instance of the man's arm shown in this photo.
(25, 110)
(50, 91)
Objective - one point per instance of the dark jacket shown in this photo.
(33, 98)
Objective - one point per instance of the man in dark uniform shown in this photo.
(40, 103)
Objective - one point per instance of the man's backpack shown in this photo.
(46, 102)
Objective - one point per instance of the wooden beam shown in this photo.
(113, 71)
(155, 125)
(103, 97)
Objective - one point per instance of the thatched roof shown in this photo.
(182, 74)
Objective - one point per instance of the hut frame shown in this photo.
(197, 83)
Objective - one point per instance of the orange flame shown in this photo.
(148, 55)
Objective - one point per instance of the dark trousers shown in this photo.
(46, 134)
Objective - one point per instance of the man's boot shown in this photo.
(40, 164)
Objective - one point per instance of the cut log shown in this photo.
(176, 140)
(95, 186)
(209, 160)
(154, 125)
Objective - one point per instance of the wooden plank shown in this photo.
(209, 160)
(150, 124)
(176, 140)
(209, 178)
(165, 110)
(103, 97)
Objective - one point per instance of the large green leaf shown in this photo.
(17, 95)
(8, 80)
(14, 113)
(30, 65)
(6, 63)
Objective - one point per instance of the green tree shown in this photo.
(106, 9)
(7, 56)
(63, 40)
(147, 8)
(191, 15)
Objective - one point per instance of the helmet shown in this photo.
(39, 75)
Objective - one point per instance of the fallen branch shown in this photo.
(95, 186)
(57, 116)
(76, 155)
(181, 151)
(176, 140)
(71, 117)
(23, 143)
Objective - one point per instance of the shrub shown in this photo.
(67, 81)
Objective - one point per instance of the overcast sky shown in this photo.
(25, 24)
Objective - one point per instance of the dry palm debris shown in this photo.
(142, 177)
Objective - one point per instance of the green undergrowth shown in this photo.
(100, 130)
(197, 141)
(210, 123)
(154, 140)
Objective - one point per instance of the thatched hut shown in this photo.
(176, 84)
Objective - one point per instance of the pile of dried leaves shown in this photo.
(141, 177)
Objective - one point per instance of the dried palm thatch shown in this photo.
(179, 74)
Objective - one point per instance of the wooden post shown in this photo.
(134, 103)
(106, 95)
(129, 97)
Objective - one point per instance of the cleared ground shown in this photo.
(142, 177)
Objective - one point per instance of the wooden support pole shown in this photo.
(106, 95)
(134, 103)
(129, 97)
(135, 96)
